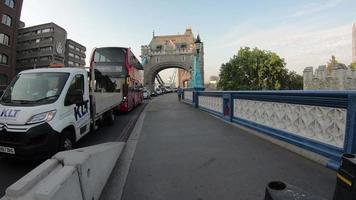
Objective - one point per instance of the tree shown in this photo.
(332, 62)
(353, 65)
(255, 69)
(293, 81)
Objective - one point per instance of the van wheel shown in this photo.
(66, 142)
(110, 117)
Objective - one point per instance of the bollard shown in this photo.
(277, 190)
(345, 188)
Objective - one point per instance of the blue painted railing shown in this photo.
(319, 121)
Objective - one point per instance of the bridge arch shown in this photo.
(151, 72)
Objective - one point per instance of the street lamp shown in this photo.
(197, 72)
(198, 45)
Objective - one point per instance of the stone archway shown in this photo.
(151, 72)
(182, 51)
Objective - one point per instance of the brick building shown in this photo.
(10, 11)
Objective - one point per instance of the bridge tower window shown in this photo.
(157, 60)
(183, 58)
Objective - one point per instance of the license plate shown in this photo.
(8, 150)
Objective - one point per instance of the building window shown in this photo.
(71, 46)
(71, 55)
(26, 34)
(6, 19)
(47, 39)
(45, 58)
(157, 60)
(3, 59)
(10, 3)
(46, 30)
(76, 56)
(4, 39)
(49, 48)
(3, 79)
(183, 58)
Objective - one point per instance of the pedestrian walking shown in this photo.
(180, 93)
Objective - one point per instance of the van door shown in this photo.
(81, 111)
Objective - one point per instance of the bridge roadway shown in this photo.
(184, 153)
(12, 170)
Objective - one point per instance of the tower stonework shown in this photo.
(174, 51)
(354, 42)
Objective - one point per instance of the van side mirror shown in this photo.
(74, 97)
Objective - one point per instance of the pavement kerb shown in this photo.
(115, 186)
(295, 149)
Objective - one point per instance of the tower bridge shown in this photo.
(184, 52)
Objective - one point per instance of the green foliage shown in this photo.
(332, 62)
(255, 69)
(353, 65)
(293, 81)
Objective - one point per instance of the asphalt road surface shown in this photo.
(12, 170)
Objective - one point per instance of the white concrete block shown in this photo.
(94, 165)
(26, 183)
(64, 184)
(79, 174)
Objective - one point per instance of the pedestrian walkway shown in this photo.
(185, 153)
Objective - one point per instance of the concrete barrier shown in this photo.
(88, 162)
(76, 174)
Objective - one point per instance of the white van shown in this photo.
(46, 110)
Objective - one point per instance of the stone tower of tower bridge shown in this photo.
(172, 51)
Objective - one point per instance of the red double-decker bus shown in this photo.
(125, 72)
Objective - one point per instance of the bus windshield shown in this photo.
(117, 71)
(110, 54)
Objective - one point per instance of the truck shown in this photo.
(47, 110)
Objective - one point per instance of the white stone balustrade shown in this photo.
(212, 103)
(323, 124)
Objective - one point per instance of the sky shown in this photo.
(303, 32)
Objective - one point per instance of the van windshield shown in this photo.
(35, 88)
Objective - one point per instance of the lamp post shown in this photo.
(197, 75)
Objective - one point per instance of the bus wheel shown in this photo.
(66, 142)
(109, 117)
